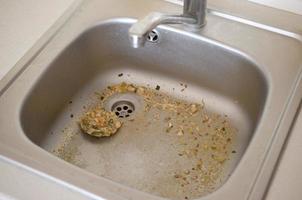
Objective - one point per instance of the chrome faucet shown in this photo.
(194, 14)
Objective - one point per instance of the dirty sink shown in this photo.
(244, 70)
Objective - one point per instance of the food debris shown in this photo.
(140, 90)
(170, 126)
(202, 141)
(203, 136)
(120, 75)
(100, 123)
(180, 132)
(193, 108)
(185, 86)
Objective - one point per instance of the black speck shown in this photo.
(70, 102)
(71, 115)
(120, 75)
(233, 151)
(157, 87)
(186, 197)
(102, 98)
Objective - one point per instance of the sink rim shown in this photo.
(294, 98)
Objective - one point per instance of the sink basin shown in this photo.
(228, 81)
(239, 69)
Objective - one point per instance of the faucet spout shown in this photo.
(194, 13)
(138, 32)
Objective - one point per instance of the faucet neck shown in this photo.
(197, 10)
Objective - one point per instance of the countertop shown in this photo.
(22, 23)
(287, 181)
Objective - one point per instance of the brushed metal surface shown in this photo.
(231, 85)
(250, 72)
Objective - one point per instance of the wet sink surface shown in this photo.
(252, 87)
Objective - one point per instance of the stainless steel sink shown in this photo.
(249, 71)
(228, 81)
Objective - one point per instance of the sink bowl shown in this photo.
(228, 81)
(238, 68)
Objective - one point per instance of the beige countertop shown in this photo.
(287, 182)
(22, 23)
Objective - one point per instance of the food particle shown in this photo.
(193, 108)
(206, 119)
(180, 132)
(140, 90)
(186, 172)
(170, 126)
(100, 123)
(131, 88)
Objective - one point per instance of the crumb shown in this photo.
(180, 132)
(157, 87)
(176, 176)
(71, 115)
(70, 102)
(120, 75)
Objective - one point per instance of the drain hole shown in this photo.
(153, 36)
(123, 109)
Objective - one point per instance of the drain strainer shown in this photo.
(153, 36)
(123, 109)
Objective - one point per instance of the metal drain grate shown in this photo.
(123, 109)
(153, 36)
